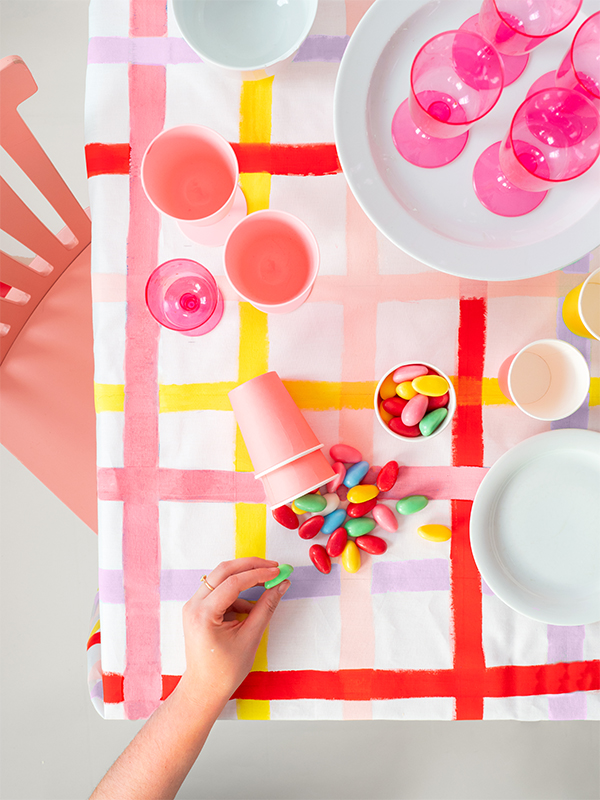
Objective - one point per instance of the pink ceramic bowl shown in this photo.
(451, 403)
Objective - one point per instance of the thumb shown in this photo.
(263, 610)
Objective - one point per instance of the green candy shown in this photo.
(432, 421)
(311, 502)
(409, 505)
(285, 570)
(359, 526)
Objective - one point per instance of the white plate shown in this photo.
(535, 527)
(434, 214)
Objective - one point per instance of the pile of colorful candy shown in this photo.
(413, 400)
(349, 529)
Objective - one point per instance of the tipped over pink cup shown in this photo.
(284, 451)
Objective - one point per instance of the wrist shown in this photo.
(199, 697)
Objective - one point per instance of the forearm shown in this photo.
(157, 760)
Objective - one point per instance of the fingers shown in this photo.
(263, 610)
(225, 569)
(227, 592)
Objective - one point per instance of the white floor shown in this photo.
(54, 745)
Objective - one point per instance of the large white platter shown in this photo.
(535, 527)
(433, 214)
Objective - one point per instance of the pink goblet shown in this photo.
(182, 295)
(580, 69)
(515, 27)
(514, 66)
(456, 78)
(553, 137)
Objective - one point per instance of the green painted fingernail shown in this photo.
(285, 570)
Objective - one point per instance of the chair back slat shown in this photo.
(58, 251)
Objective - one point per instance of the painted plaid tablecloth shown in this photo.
(415, 634)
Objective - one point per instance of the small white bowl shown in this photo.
(451, 403)
(249, 39)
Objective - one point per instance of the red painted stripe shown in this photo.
(367, 684)
(288, 159)
(465, 585)
(94, 639)
(107, 159)
(467, 450)
(275, 159)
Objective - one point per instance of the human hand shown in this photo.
(219, 647)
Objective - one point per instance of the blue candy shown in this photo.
(356, 473)
(333, 521)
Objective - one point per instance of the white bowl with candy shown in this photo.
(415, 401)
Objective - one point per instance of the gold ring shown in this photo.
(206, 583)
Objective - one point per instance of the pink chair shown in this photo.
(47, 417)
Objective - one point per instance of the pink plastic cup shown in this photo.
(271, 259)
(190, 173)
(580, 69)
(297, 478)
(515, 27)
(272, 425)
(548, 379)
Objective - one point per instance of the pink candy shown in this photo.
(409, 373)
(340, 471)
(414, 411)
(345, 453)
(385, 517)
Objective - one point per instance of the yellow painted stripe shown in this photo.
(95, 629)
(255, 126)
(195, 396)
(309, 395)
(109, 397)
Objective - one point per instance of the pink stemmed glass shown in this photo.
(455, 80)
(182, 295)
(515, 27)
(580, 69)
(553, 137)
(514, 66)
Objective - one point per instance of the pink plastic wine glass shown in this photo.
(514, 66)
(515, 27)
(182, 295)
(580, 69)
(455, 80)
(553, 137)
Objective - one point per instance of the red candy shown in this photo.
(286, 517)
(360, 509)
(398, 426)
(337, 542)
(388, 476)
(438, 402)
(310, 527)
(318, 555)
(371, 544)
(395, 405)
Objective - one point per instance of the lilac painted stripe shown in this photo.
(567, 706)
(583, 265)
(157, 50)
(306, 582)
(422, 575)
(161, 50)
(110, 582)
(579, 418)
(565, 643)
(322, 48)
(97, 690)
(485, 589)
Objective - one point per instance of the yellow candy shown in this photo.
(297, 510)
(362, 493)
(351, 557)
(434, 533)
(430, 385)
(405, 390)
(385, 415)
(388, 388)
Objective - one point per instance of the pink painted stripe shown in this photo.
(219, 486)
(142, 682)
(357, 646)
